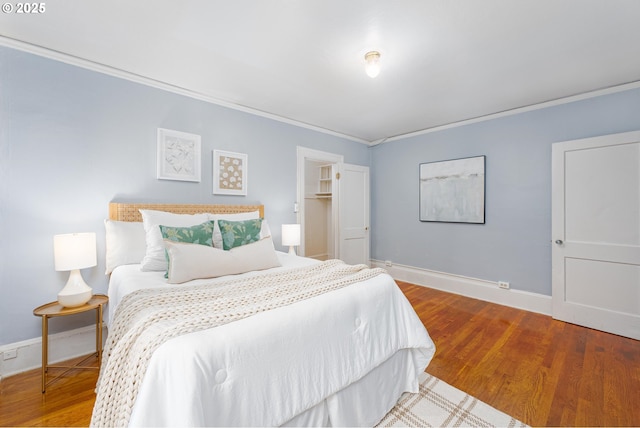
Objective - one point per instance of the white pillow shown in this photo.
(217, 235)
(154, 258)
(125, 242)
(193, 261)
(264, 230)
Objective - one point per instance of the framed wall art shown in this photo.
(453, 190)
(229, 173)
(178, 156)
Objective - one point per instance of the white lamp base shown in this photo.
(76, 292)
(292, 250)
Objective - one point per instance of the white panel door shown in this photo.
(353, 219)
(596, 233)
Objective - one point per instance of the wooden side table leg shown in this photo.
(45, 351)
(99, 334)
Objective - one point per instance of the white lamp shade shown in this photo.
(290, 234)
(74, 251)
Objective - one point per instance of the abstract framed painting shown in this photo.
(178, 156)
(453, 191)
(229, 173)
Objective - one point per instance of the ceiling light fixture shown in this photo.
(373, 63)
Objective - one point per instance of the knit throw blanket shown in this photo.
(147, 318)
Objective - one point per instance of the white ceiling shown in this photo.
(303, 61)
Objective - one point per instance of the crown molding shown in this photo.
(126, 75)
(122, 74)
(559, 101)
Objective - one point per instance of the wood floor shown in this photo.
(67, 402)
(538, 370)
(541, 371)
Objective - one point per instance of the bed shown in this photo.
(295, 342)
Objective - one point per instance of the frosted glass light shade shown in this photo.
(291, 236)
(372, 66)
(72, 252)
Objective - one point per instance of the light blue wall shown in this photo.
(515, 243)
(72, 140)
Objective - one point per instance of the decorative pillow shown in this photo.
(155, 258)
(199, 234)
(189, 261)
(125, 243)
(238, 233)
(217, 236)
(265, 232)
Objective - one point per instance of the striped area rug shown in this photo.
(439, 404)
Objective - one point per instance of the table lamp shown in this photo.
(291, 236)
(72, 252)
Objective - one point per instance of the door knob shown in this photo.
(559, 241)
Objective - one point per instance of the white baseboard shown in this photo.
(470, 287)
(62, 346)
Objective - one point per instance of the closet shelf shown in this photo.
(324, 182)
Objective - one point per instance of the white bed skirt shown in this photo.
(367, 401)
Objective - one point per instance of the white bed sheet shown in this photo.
(342, 358)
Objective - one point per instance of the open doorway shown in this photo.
(319, 242)
(318, 203)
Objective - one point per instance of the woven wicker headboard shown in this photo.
(129, 211)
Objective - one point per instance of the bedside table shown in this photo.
(55, 309)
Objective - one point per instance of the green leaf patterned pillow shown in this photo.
(199, 234)
(238, 233)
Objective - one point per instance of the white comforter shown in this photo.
(306, 363)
